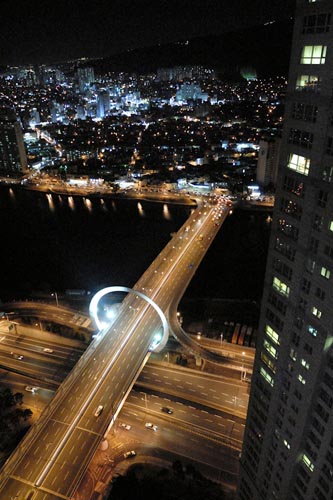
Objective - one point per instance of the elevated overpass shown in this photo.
(51, 459)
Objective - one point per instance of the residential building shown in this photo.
(288, 444)
(13, 158)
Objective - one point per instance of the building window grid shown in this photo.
(300, 138)
(287, 229)
(294, 186)
(329, 146)
(285, 249)
(313, 54)
(327, 174)
(325, 273)
(328, 251)
(322, 198)
(304, 112)
(299, 164)
(308, 83)
(318, 222)
(316, 23)
(281, 287)
(292, 208)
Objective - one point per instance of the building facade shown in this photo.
(13, 158)
(288, 443)
(268, 159)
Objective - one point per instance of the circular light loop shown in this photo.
(93, 310)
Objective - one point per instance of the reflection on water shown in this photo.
(70, 242)
(50, 202)
(88, 204)
(103, 205)
(140, 210)
(109, 242)
(71, 203)
(166, 212)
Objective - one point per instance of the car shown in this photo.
(30, 388)
(166, 409)
(17, 356)
(48, 350)
(98, 411)
(129, 454)
(125, 426)
(151, 426)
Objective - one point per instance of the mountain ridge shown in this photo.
(266, 48)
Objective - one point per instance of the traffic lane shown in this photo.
(33, 368)
(185, 441)
(37, 344)
(227, 394)
(74, 456)
(186, 413)
(100, 422)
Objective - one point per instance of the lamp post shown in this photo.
(145, 400)
(221, 339)
(54, 294)
(242, 372)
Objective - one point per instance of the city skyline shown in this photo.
(61, 31)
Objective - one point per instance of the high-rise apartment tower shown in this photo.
(288, 445)
(13, 158)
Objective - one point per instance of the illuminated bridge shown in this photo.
(52, 458)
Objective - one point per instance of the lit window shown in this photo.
(325, 273)
(301, 379)
(267, 376)
(287, 445)
(268, 362)
(272, 335)
(307, 462)
(269, 348)
(293, 354)
(307, 82)
(299, 164)
(305, 364)
(313, 54)
(331, 225)
(312, 331)
(316, 312)
(281, 287)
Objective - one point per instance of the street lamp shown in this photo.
(221, 339)
(242, 372)
(54, 294)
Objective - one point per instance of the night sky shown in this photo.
(36, 31)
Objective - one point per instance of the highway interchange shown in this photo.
(50, 461)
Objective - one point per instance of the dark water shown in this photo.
(54, 243)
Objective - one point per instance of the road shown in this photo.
(50, 461)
